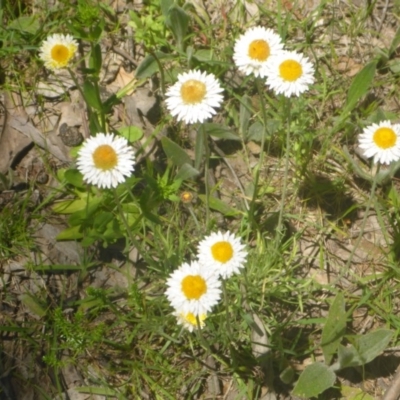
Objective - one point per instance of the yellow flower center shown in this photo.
(385, 138)
(105, 157)
(60, 54)
(193, 91)
(222, 251)
(191, 318)
(290, 70)
(193, 286)
(259, 50)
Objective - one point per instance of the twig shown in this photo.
(124, 54)
(393, 393)
(384, 12)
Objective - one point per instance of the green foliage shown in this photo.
(72, 334)
(315, 379)
(318, 377)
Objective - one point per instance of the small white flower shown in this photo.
(194, 97)
(289, 73)
(193, 288)
(254, 49)
(105, 160)
(57, 51)
(223, 253)
(189, 320)
(381, 141)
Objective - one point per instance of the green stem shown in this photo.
(279, 229)
(102, 116)
(201, 337)
(261, 89)
(206, 172)
(129, 230)
(364, 222)
(228, 324)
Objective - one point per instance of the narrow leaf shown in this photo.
(178, 22)
(395, 42)
(220, 131)
(186, 172)
(95, 58)
(72, 233)
(360, 86)
(149, 65)
(175, 152)
(70, 206)
(315, 379)
(218, 205)
(91, 96)
(165, 6)
(334, 329)
(244, 114)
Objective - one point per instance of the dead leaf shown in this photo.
(123, 79)
(348, 66)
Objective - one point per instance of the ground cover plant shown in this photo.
(199, 200)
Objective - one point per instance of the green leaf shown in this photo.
(25, 24)
(95, 58)
(178, 21)
(33, 304)
(203, 55)
(372, 344)
(315, 379)
(131, 133)
(186, 171)
(103, 391)
(74, 177)
(334, 329)
(348, 357)
(102, 219)
(175, 152)
(165, 6)
(218, 205)
(149, 65)
(360, 86)
(72, 233)
(91, 96)
(354, 393)
(70, 206)
(364, 348)
(395, 42)
(255, 132)
(219, 131)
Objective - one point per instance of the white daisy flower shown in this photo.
(57, 51)
(254, 49)
(105, 160)
(289, 73)
(194, 97)
(193, 288)
(223, 253)
(381, 141)
(189, 320)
